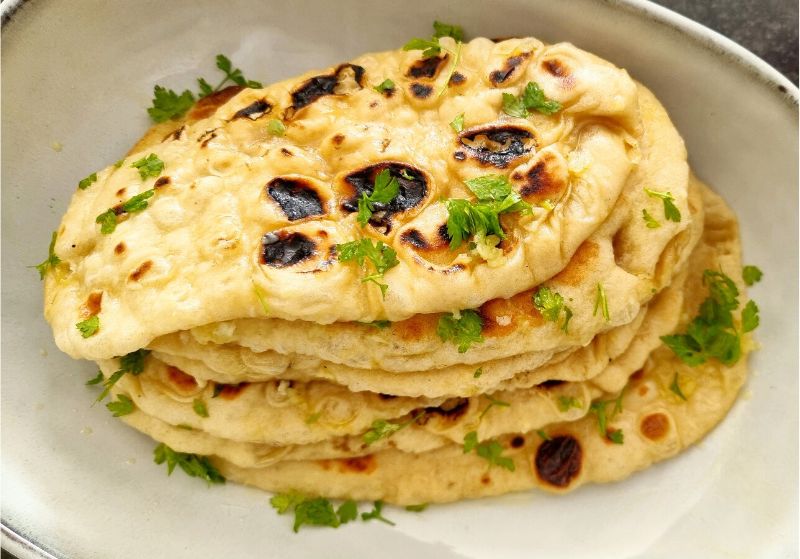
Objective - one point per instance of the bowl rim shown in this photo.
(25, 545)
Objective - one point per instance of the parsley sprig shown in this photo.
(109, 219)
(550, 304)
(132, 363)
(384, 191)
(51, 261)
(318, 511)
(599, 409)
(463, 330)
(89, 327)
(381, 429)
(531, 99)
(167, 104)
(192, 464)
(491, 450)
(712, 334)
(751, 275)
(671, 211)
(123, 406)
(495, 196)
(381, 255)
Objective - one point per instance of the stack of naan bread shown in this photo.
(275, 359)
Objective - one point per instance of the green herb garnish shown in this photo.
(89, 327)
(650, 220)
(550, 304)
(381, 255)
(599, 409)
(314, 511)
(531, 99)
(108, 219)
(199, 407)
(51, 261)
(601, 303)
(231, 75)
(457, 124)
(495, 196)
(83, 184)
(671, 211)
(276, 127)
(96, 380)
(566, 403)
(192, 464)
(751, 275)
(491, 450)
(441, 29)
(463, 330)
(676, 388)
(132, 363)
(543, 435)
(478, 372)
(150, 166)
(381, 429)
(375, 514)
(384, 86)
(492, 403)
(123, 406)
(712, 333)
(385, 189)
(417, 508)
(169, 105)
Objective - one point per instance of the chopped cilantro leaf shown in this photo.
(231, 75)
(83, 184)
(466, 218)
(347, 511)
(478, 372)
(417, 508)
(123, 406)
(192, 464)
(566, 403)
(492, 403)
(119, 163)
(441, 29)
(429, 47)
(531, 99)
(96, 380)
(751, 275)
(283, 502)
(276, 127)
(491, 450)
(51, 261)
(107, 221)
(550, 304)
(169, 105)
(462, 331)
(199, 407)
(375, 514)
(139, 202)
(650, 220)
(381, 428)
(150, 166)
(132, 363)
(712, 333)
(385, 189)
(671, 211)
(599, 409)
(384, 86)
(315, 512)
(676, 387)
(382, 257)
(616, 436)
(457, 124)
(601, 303)
(543, 435)
(89, 327)
(750, 318)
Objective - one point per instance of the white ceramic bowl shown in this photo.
(79, 484)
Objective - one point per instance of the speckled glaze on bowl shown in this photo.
(77, 484)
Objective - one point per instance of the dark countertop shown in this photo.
(767, 27)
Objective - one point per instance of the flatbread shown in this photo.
(197, 253)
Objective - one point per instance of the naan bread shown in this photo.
(197, 254)
(656, 423)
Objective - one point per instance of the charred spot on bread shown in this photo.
(283, 249)
(496, 145)
(326, 84)
(297, 198)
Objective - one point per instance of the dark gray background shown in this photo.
(766, 27)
